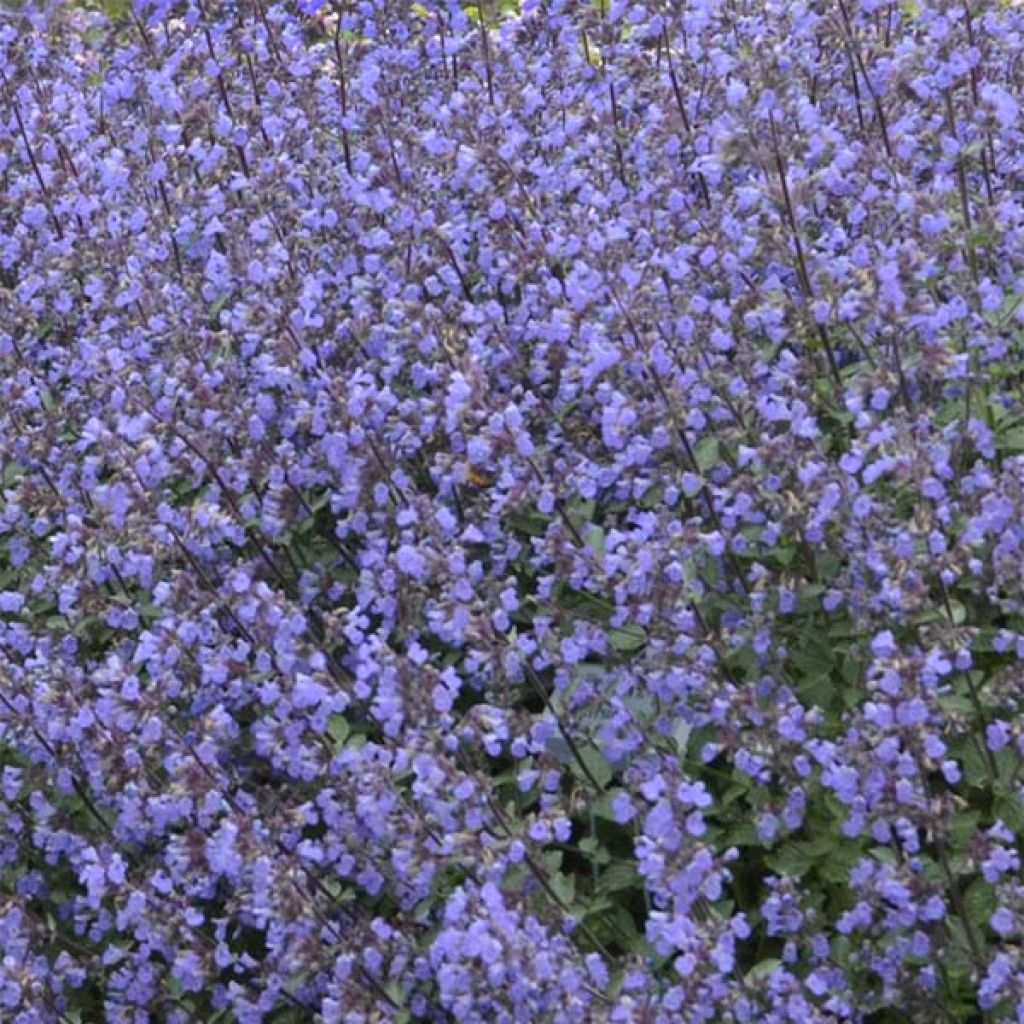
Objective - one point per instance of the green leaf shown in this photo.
(958, 957)
(975, 770)
(11, 473)
(681, 735)
(956, 703)
(533, 524)
(790, 859)
(1008, 807)
(582, 511)
(1012, 441)
(783, 554)
(618, 877)
(762, 971)
(628, 639)
(338, 729)
(836, 867)
(564, 887)
(808, 598)
(885, 856)
(744, 834)
(739, 788)
(596, 765)
(594, 850)
(964, 829)
(585, 604)
(613, 923)
(707, 454)
(817, 690)
(551, 861)
(980, 902)
(653, 497)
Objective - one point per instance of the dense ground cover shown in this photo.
(511, 513)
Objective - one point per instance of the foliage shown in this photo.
(511, 513)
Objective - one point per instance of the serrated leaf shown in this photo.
(585, 604)
(790, 859)
(552, 860)
(973, 766)
(964, 829)
(1011, 441)
(980, 902)
(744, 834)
(533, 524)
(1008, 808)
(617, 877)
(564, 887)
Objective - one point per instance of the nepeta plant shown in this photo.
(511, 513)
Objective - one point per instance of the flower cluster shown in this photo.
(511, 512)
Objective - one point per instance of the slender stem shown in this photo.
(801, 261)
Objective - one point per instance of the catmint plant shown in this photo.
(511, 512)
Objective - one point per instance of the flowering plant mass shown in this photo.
(512, 512)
